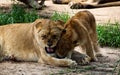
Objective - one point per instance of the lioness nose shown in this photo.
(49, 43)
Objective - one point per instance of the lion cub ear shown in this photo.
(74, 23)
(38, 24)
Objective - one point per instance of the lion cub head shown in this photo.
(48, 33)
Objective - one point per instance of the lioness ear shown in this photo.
(60, 24)
(38, 24)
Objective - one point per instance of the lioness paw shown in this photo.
(71, 62)
(84, 59)
(74, 5)
(81, 59)
(35, 5)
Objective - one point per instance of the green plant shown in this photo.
(18, 15)
(109, 35)
(60, 16)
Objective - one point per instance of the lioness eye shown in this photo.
(44, 36)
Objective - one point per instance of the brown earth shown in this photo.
(104, 66)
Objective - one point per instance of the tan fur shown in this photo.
(77, 4)
(80, 31)
(25, 42)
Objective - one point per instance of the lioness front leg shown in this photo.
(46, 59)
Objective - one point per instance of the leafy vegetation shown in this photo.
(109, 34)
(17, 15)
(60, 16)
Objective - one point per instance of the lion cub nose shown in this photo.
(49, 43)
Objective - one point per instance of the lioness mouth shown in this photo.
(50, 50)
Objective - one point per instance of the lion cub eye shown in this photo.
(44, 36)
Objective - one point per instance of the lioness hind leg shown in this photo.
(81, 5)
(42, 2)
(61, 1)
(34, 3)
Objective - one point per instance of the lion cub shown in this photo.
(32, 42)
(80, 31)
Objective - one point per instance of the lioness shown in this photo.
(32, 42)
(80, 31)
(77, 4)
(34, 3)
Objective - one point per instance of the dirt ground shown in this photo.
(104, 66)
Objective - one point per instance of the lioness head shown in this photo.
(48, 33)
